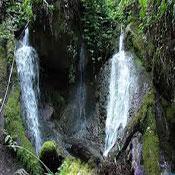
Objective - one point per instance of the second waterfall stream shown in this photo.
(28, 70)
(121, 83)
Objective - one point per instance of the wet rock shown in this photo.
(115, 167)
(47, 112)
(87, 152)
(136, 154)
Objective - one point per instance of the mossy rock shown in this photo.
(170, 113)
(15, 128)
(49, 156)
(145, 121)
(139, 118)
(151, 146)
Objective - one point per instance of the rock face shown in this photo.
(144, 85)
(57, 46)
(47, 112)
(136, 154)
(56, 41)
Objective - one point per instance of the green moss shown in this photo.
(170, 113)
(169, 109)
(140, 116)
(145, 120)
(49, 146)
(143, 4)
(141, 46)
(49, 156)
(14, 126)
(72, 166)
(151, 150)
(138, 62)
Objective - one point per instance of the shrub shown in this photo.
(72, 166)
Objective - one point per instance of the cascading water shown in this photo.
(28, 70)
(82, 86)
(81, 93)
(120, 93)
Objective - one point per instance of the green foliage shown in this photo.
(162, 8)
(15, 128)
(5, 30)
(98, 28)
(72, 166)
(141, 11)
(18, 13)
(143, 4)
(170, 113)
(140, 44)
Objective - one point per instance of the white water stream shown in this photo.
(120, 93)
(28, 70)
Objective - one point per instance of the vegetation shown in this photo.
(72, 166)
(146, 123)
(19, 13)
(149, 38)
(15, 128)
(3, 72)
(140, 116)
(49, 156)
(151, 150)
(98, 29)
(48, 147)
(150, 34)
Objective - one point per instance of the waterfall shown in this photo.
(80, 99)
(28, 71)
(120, 93)
(82, 86)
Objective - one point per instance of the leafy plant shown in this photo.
(15, 128)
(98, 28)
(14, 146)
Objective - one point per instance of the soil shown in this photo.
(8, 163)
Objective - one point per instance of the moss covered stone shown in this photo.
(151, 147)
(140, 116)
(49, 156)
(145, 122)
(14, 126)
(170, 113)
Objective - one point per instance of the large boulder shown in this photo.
(50, 157)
